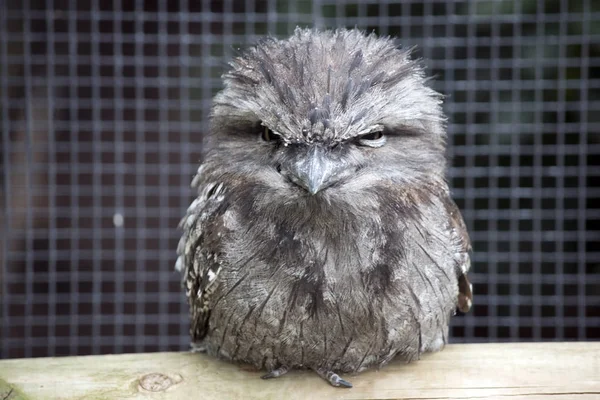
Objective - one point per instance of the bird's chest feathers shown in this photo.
(307, 266)
(315, 246)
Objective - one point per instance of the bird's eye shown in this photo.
(372, 136)
(372, 139)
(267, 134)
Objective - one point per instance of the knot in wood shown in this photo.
(155, 382)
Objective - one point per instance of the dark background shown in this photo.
(102, 107)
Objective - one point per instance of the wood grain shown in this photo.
(532, 371)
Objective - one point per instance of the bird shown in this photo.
(324, 235)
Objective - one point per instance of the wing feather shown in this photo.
(462, 243)
(198, 251)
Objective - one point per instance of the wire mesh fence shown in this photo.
(103, 104)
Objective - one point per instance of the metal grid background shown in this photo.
(102, 109)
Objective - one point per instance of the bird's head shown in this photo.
(327, 109)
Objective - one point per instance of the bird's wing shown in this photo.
(462, 243)
(198, 252)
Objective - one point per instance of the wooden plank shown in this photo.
(530, 371)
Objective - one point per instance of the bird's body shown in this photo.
(333, 243)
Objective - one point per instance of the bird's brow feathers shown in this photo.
(330, 85)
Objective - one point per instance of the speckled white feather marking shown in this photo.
(200, 269)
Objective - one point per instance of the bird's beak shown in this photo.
(314, 170)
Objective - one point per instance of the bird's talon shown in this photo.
(276, 373)
(333, 378)
(344, 383)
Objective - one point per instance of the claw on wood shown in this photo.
(333, 378)
(276, 373)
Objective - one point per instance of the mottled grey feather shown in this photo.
(361, 268)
